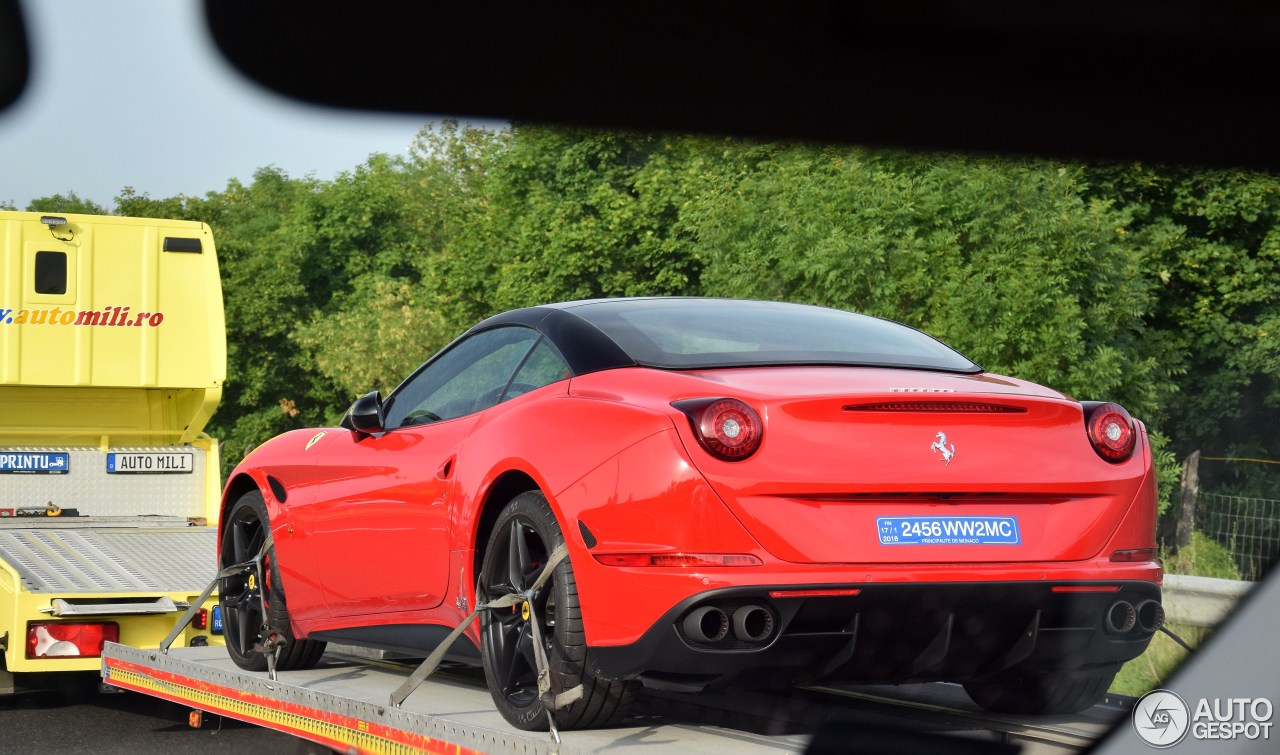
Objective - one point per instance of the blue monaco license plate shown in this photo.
(29, 462)
(948, 530)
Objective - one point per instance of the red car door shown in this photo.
(380, 524)
(380, 521)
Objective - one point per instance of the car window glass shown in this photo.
(656, 333)
(467, 378)
(543, 367)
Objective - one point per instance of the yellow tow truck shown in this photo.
(112, 360)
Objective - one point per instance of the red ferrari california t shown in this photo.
(747, 493)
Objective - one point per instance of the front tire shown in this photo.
(242, 597)
(1055, 692)
(523, 537)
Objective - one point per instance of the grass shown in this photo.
(1149, 670)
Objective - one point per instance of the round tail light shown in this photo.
(1111, 432)
(727, 428)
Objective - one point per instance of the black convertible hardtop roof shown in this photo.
(703, 333)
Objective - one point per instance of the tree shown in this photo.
(376, 344)
(380, 234)
(1004, 260)
(1211, 245)
(260, 232)
(68, 203)
(132, 204)
(574, 214)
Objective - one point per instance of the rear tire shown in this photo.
(245, 531)
(1042, 693)
(523, 537)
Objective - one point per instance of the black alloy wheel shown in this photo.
(243, 596)
(509, 638)
(523, 538)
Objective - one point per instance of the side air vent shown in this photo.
(936, 407)
(277, 489)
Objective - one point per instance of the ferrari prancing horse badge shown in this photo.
(940, 445)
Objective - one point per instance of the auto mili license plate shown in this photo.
(948, 530)
(149, 463)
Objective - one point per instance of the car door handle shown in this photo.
(446, 469)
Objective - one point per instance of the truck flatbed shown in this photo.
(343, 703)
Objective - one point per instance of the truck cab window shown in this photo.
(51, 273)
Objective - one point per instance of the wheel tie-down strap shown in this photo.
(254, 563)
(552, 701)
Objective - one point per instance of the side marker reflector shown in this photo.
(819, 593)
(1131, 556)
(677, 559)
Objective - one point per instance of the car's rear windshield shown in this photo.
(706, 333)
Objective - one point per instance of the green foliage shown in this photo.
(328, 285)
(375, 345)
(576, 215)
(1211, 245)
(1168, 471)
(1006, 261)
(1202, 557)
(68, 203)
(132, 204)
(260, 231)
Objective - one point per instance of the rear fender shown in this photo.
(1137, 529)
(553, 441)
(647, 499)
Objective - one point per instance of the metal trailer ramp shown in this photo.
(100, 557)
(343, 704)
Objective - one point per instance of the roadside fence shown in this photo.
(1249, 528)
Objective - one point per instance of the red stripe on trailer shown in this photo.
(358, 727)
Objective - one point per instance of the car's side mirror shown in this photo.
(365, 415)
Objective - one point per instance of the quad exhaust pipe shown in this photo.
(752, 624)
(1150, 615)
(1123, 617)
(706, 624)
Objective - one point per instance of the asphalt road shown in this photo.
(128, 723)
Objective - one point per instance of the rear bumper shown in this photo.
(888, 633)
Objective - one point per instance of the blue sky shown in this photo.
(133, 93)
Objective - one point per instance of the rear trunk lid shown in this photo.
(885, 466)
